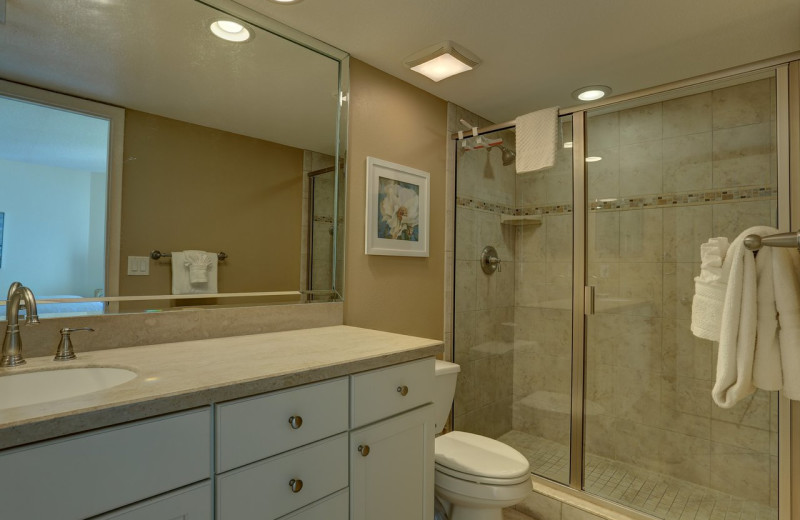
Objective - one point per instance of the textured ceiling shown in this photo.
(536, 52)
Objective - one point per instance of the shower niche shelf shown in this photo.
(520, 220)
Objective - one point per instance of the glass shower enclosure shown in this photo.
(578, 351)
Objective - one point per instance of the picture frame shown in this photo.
(397, 210)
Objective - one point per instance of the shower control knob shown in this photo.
(363, 449)
(296, 485)
(296, 422)
(402, 390)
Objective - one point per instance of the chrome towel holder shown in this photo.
(755, 242)
(156, 255)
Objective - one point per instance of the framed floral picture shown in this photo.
(398, 210)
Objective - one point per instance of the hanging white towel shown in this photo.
(537, 135)
(786, 274)
(186, 280)
(737, 338)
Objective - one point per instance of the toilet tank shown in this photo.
(445, 390)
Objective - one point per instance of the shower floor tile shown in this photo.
(659, 495)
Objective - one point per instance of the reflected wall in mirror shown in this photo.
(197, 143)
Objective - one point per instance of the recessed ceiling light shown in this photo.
(591, 93)
(441, 61)
(286, 1)
(568, 144)
(593, 159)
(231, 31)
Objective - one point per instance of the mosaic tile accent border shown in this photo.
(686, 199)
(502, 209)
(485, 206)
(660, 200)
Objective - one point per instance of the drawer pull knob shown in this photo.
(402, 390)
(296, 421)
(296, 485)
(363, 450)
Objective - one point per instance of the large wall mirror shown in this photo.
(147, 163)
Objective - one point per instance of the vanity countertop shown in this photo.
(184, 375)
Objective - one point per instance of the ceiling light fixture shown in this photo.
(591, 93)
(593, 159)
(441, 61)
(231, 31)
(286, 2)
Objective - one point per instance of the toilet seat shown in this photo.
(477, 479)
(479, 459)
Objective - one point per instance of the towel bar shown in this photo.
(156, 254)
(755, 242)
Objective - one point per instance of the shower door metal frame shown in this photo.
(579, 216)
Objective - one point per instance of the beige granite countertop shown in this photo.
(184, 375)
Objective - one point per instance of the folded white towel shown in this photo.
(199, 264)
(186, 280)
(737, 337)
(707, 304)
(537, 135)
(709, 290)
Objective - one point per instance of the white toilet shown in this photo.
(475, 476)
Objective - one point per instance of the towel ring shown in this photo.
(157, 255)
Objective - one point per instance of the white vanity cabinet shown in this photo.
(88, 474)
(287, 454)
(391, 449)
(281, 451)
(296, 452)
(189, 503)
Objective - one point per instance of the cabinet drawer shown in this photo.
(258, 427)
(334, 507)
(88, 474)
(262, 490)
(379, 393)
(192, 503)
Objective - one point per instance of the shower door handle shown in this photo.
(588, 300)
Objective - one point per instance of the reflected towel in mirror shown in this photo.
(194, 272)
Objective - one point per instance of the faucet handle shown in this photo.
(64, 352)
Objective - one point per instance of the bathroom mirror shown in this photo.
(211, 145)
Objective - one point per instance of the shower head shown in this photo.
(509, 156)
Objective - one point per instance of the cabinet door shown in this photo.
(391, 477)
(192, 503)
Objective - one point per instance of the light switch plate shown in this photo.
(138, 265)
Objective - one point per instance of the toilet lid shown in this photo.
(481, 456)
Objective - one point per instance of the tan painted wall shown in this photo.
(394, 121)
(190, 187)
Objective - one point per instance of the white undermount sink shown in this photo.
(42, 386)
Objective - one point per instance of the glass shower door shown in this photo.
(513, 326)
(662, 178)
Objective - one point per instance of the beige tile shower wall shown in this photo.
(543, 306)
(484, 304)
(649, 380)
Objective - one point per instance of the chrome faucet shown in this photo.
(12, 343)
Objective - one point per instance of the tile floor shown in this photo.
(652, 493)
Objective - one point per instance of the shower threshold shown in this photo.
(655, 494)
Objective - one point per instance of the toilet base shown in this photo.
(455, 512)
